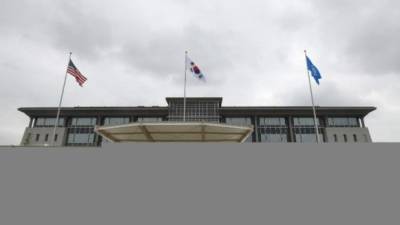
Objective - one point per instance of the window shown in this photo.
(81, 139)
(273, 129)
(196, 110)
(272, 121)
(37, 137)
(149, 119)
(46, 138)
(246, 121)
(345, 137)
(343, 122)
(48, 122)
(355, 138)
(115, 120)
(83, 121)
(335, 137)
(81, 131)
(55, 137)
(304, 129)
(267, 136)
(304, 121)
(308, 138)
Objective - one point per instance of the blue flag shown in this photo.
(314, 71)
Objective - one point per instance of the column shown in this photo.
(290, 129)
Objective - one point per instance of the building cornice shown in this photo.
(359, 111)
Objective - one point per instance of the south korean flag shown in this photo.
(194, 69)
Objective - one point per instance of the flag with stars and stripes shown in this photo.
(75, 73)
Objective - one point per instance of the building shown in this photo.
(270, 124)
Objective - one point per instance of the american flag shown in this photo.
(75, 73)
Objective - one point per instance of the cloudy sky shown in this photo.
(250, 51)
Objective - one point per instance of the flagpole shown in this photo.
(312, 100)
(59, 104)
(184, 90)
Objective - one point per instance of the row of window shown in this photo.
(270, 129)
(90, 121)
(343, 122)
(263, 121)
(298, 121)
(274, 135)
(199, 111)
(48, 122)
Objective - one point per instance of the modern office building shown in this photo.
(269, 123)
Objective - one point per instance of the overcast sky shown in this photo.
(251, 52)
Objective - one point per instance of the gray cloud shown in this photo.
(163, 53)
(251, 53)
(364, 33)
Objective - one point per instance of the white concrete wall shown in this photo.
(29, 138)
(362, 134)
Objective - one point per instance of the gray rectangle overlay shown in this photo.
(201, 184)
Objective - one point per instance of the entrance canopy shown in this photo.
(174, 132)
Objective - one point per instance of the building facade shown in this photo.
(271, 124)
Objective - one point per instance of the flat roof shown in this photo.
(224, 111)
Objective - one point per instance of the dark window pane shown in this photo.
(304, 121)
(83, 121)
(149, 119)
(48, 122)
(116, 120)
(343, 122)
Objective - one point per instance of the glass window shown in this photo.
(343, 122)
(195, 111)
(272, 121)
(355, 138)
(307, 138)
(239, 121)
(273, 129)
(46, 138)
(48, 122)
(304, 129)
(266, 137)
(304, 121)
(149, 119)
(116, 120)
(353, 121)
(83, 121)
(345, 137)
(81, 131)
(87, 138)
(335, 138)
(37, 137)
